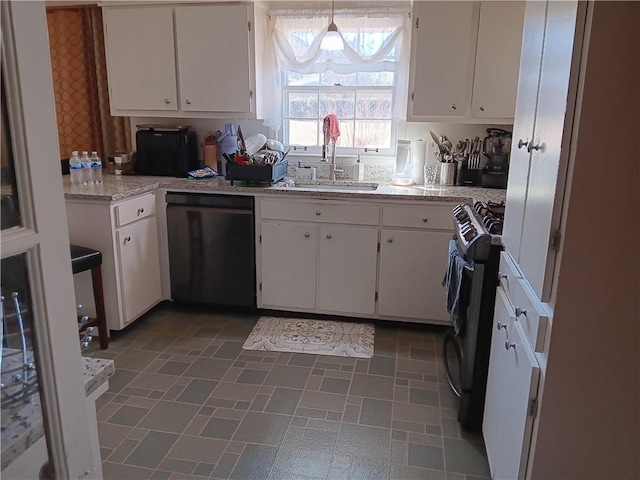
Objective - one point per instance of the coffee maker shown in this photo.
(496, 146)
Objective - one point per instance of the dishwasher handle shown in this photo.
(210, 200)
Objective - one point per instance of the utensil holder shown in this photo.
(448, 173)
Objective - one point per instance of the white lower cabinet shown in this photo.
(126, 234)
(356, 259)
(288, 265)
(512, 388)
(139, 266)
(412, 265)
(347, 269)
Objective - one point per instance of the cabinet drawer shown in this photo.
(135, 209)
(431, 216)
(320, 212)
(529, 312)
(509, 274)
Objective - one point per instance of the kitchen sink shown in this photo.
(342, 186)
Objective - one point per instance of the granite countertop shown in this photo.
(22, 424)
(120, 187)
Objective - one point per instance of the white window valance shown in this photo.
(376, 40)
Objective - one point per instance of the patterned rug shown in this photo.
(320, 337)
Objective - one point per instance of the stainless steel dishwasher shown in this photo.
(211, 248)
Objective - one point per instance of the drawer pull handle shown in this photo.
(318, 212)
(453, 106)
(501, 326)
(508, 345)
(329, 236)
(140, 211)
(425, 220)
(390, 239)
(306, 235)
(522, 143)
(167, 101)
(482, 108)
(188, 102)
(127, 239)
(520, 312)
(502, 276)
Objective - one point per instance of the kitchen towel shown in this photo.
(331, 123)
(452, 283)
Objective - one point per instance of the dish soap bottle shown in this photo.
(403, 168)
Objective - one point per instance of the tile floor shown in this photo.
(186, 402)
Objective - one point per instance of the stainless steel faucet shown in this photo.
(325, 146)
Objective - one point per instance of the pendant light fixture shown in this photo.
(332, 40)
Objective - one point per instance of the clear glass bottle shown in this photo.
(403, 168)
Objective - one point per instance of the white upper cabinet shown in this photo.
(495, 80)
(442, 58)
(183, 60)
(546, 101)
(214, 75)
(464, 61)
(140, 58)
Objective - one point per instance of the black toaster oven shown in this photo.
(166, 150)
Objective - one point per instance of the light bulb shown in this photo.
(332, 40)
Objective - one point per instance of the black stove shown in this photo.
(467, 343)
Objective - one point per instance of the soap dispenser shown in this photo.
(403, 168)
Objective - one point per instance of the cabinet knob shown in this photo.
(306, 235)
(520, 312)
(453, 106)
(532, 147)
(127, 239)
(501, 326)
(188, 102)
(425, 220)
(329, 236)
(390, 239)
(508, 345)
(482, 108)
(318, 212)
(167, 101)
(140, 211)
(522, 143)
(502, 275)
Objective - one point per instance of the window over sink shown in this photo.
(364, 85)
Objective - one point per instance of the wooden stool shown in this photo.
(83, 258)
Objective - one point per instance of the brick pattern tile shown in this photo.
(187, 402)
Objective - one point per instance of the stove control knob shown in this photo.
(470, 234)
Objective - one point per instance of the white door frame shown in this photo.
(43, 235)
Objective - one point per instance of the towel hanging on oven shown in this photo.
(452, 283)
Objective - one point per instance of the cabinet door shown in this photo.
(550, 149)
(347, 269)
(442, 58)
(288, 265)
(412, 265)
(140, 58)
(214, 58)
(524, 122)
(497, 59)
(512, 385)
(139, 265)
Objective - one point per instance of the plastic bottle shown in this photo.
(86, 169)
(96, 168)
(75, 168)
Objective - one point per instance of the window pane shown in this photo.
(303, 132)
(300, 79)
(374, 104)
(303, 105)
(342, 104)
(376, 79)
(331, 78)
(346, 134)
(21, 409)
(10, 214)
(373, 134)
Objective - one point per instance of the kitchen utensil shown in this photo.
(241, 143)
(275, 145)
(255, 143)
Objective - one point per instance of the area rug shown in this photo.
(320, 337)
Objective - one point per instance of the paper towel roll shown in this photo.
(419, 151)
